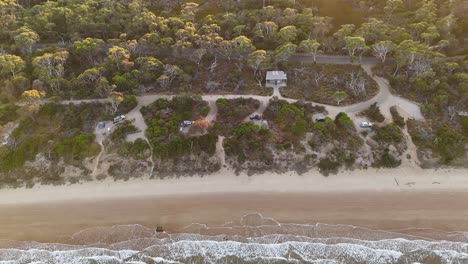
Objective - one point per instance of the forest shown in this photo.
(53, 51)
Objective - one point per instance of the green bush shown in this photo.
(373, 113)
(449, 144)
(129, 102)
(389, 134)
(122, 130)
(343, 120)
(76, 148)
(249, 144)
(387, 160)
(464, 123)
(397, 118)
(246, 130)
(328, 166)
(137, 150)
(164, 117)
(205, 110)
(232, 112)
(293, 120)
(8, 113)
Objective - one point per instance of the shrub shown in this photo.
(122, 130)
(292, 120)
(8, 113)
(205, 110)
(328, 166)
(449, 144)
(464, 123)
(246, 130)
(129, 102)
(231, 113)
(387, 160)
(343, 120)
(249, 144)
(77, 147)
(389, 134)
(397, 118)
(373, 113)
(137, 150)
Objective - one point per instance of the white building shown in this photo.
(276, 77)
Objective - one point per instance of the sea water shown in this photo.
(251, 239)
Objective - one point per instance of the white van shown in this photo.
(119, 118)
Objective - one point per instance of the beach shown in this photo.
(383, 199)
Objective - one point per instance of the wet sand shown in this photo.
(57, 221)
(379, 199)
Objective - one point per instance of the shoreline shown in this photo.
(415, 213)
(369, 199)
(406, 178)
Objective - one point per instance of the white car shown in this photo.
(119, 118)
(5, 140)
(366, 124)
(187, 123)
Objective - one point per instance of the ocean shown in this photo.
(251, 239)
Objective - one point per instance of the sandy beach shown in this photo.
(383, 199)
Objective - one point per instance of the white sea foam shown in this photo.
(252, 239)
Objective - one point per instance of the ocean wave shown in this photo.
(251, 239)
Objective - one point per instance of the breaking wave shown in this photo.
(251, 239)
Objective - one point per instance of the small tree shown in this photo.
(11, 64)
(382, 49)
(310, 46)
(355, 45)
(340, 96)
(32, 102)
(283, 52)
(116, 98)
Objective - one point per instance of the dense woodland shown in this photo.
(55, 50)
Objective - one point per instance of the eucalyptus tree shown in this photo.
(11, 64)
(25, 39)
(381, 49)
(49, 68)
(309, 46)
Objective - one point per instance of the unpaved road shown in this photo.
(384, 99)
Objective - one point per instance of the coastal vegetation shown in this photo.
(52, 137)
(111, 54)
(373, 113)
(231, 112)
(174, 146)
(320, 83)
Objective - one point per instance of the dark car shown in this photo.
(255, 117)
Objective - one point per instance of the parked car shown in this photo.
(5, 140)
(319, 118)
(255, 117)
(187, 123)
(119, 118)
(366, 124)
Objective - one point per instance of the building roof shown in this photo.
(275, 75)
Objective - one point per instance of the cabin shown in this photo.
(276, 77)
